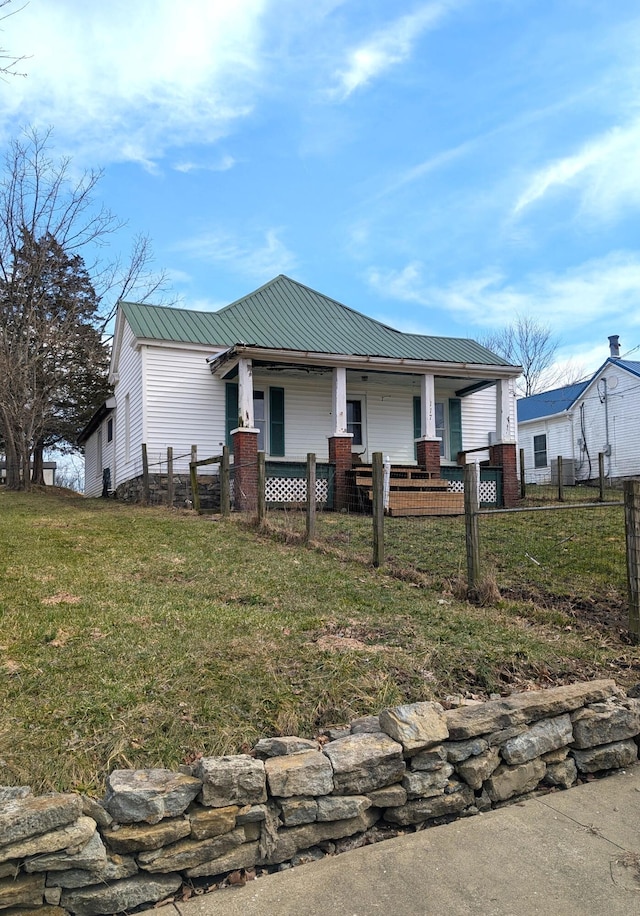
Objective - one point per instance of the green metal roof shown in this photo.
(286, 315)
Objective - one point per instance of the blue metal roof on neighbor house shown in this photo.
(286, 315)
(548, 403)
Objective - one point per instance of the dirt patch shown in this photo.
(345, 644)
(61, 598)
(607, 613)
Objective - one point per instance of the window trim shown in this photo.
(360, 423)
(537, 452)
(272, 429)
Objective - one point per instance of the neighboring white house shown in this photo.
(48, 467)
(577, 422)
(289, 371)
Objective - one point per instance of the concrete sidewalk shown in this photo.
(574, 852)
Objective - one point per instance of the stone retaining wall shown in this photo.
(294, 799)
(208, 486)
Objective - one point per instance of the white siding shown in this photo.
(582, 433)
(559, 433)
(621, 398)
(129, 383)
(185, 406)
(172, 400)
(94, 463)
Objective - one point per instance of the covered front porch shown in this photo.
(288, 404)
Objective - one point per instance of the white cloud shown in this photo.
(597, 290)
(605, 173)
(123, 81)
(263, 259)
(222, 165)
(386, 48)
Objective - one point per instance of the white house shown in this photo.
(289, 371)
(580, 421)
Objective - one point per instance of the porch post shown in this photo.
(340, 441)
(245, 443)
(245, 394)
(428, 445)
(503, 452)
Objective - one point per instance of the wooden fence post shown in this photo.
(471, 526)
(523, 486)
(311, 496)
(193, 478)
(225, 483)
(601, 474)
(632, 529)
(145, 475)
(560, 480)
(170, 492)
(262, 488)
(378, 509)
(195, 492)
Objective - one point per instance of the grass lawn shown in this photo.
(143, 637)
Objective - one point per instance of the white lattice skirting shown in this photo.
(487, 490)
(294, 490)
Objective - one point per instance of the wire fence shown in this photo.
(566, 547)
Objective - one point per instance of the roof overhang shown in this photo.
(222, 364)
(101, 414)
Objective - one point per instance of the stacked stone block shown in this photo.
(293, 799)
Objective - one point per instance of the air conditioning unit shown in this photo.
(568, 472)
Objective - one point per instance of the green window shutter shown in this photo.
(276, 422)
(455, 427)
(417, 424)
(231, 410)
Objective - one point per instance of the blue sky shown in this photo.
(440, 166)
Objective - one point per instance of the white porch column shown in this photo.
(245, 394)
(504, 425)
(428, 407)
(339, 401)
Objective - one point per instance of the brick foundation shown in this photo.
(428, 451)
(503, 456)
(340, 457)
(245, 470)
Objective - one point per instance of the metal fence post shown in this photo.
(225, 483)
(378, 509)
(632, 529)
(560, 480)
(471, 526)
(601, 474)
(311, 496)
(523, 485)
(262, 488)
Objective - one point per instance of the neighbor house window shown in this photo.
(110, 430)
(540, 451)
(354, 421)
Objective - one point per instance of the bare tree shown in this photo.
(9, 62)
(529, 344)
(54, 306)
